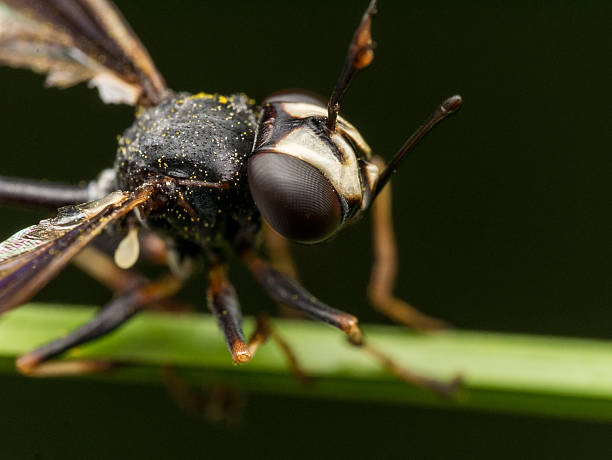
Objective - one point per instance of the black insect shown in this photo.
(196, 173)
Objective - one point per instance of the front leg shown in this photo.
(279, 252)
(284, 289)
(384, 268)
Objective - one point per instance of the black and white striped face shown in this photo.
(306, 180)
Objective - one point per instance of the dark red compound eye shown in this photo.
(294, 197)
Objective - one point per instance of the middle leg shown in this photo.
(223, 303)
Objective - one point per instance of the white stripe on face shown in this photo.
(304, 144)
(303, 110)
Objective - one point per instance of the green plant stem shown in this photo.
(551, 376)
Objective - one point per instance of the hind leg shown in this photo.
(101, 267)
(109, 318)
(41, 193)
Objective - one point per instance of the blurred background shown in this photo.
(502, 216)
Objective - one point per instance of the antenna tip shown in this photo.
(452, 104)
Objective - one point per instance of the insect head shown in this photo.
(310, 172)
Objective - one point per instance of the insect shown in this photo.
(194, 178)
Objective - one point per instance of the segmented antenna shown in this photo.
(360, 55)
(448, 107)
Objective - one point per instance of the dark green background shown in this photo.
(503, 216)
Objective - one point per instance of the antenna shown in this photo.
(448, 107)
(360, 55)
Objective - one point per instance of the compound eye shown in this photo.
(294, 197)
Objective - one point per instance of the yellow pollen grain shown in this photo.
(201, 95)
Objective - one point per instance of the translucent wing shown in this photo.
(32, 257)
(79, 40)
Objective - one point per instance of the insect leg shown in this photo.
(217, 402)
(101, 267)
(279, 253)
(153, 248)
(264, 331)
(283, 289)
(223, 303)
(40, 193)
(110, 317)
(384, 268)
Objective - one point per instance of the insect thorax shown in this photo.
(201, 137)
